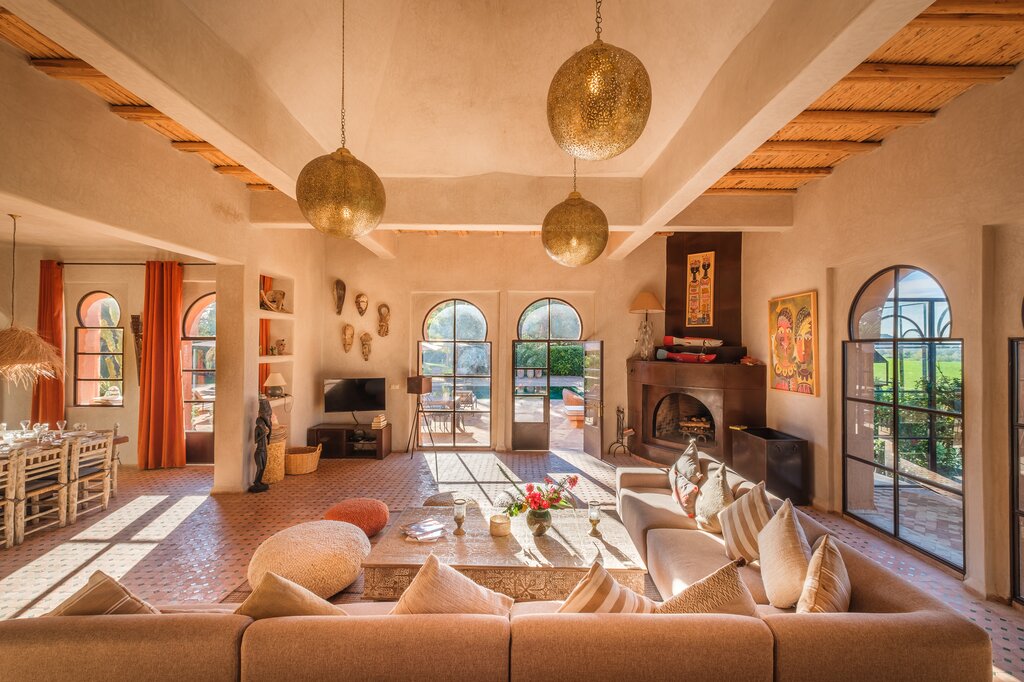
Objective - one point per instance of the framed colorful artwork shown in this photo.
(793, 339)
(700, 289)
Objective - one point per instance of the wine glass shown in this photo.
(39, 429)
(61, 423)
(25, 423)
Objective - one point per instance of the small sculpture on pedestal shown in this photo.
(262, 437)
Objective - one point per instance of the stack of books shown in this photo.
(427, 530)
(379, 422)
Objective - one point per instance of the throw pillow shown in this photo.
(439, 588)
(715, 495)
(721, 592)
(683, 478)
(101, 596)
(276, 597)
(599, 592)
(827, 587)
(785, 555)
(743, 520)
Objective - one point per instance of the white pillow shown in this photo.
(715, 495)
(784, 556)
(827, 586)
(599, 592)
(439, 588)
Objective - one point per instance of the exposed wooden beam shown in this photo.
(132, 112)
(928, 72)
(260, 187)
(776, 173)
(193, 146)
(815, 147)
(663, 233)
(973, 20)
(232, 170)
(876, 118)
(462, 233)
(431, 233)
(68, 69)
(976, 7)
(747, 191)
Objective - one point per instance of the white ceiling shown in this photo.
(58, 239)
(458, 87)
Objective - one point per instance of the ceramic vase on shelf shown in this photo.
(538, 521)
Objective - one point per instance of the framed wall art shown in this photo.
(793, 339)
(700, 289)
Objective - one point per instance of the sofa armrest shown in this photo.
(641, 477)
(919, 645)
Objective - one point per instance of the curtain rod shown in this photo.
(132, 264)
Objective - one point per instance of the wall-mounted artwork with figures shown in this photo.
(793, 330)
(700, 289)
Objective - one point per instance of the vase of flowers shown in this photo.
(537, 500)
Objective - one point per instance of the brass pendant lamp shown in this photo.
(575, 232)
(24, 355)
(337, 193)
(599, 100)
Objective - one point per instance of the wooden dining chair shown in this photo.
(10, 467)
(42, 498)
(115, 458)
(89, 486)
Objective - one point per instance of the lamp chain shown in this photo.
(597, 18)
(342, 73)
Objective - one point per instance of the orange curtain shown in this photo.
(266, 284)
(161, 420)
(48, 394)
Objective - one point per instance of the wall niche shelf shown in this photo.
(271, 359)
(271, 315)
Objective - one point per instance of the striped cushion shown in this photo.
(439, 588)
(743, 520)
(721, 592)
(101, 596)
(827, 586)
(598, 592)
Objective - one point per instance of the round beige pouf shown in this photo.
(325, 557)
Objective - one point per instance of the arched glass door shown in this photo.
(199, 377)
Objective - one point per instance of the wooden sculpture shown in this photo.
(365, 339)
(362, 303)
(383, 319)
(339, 296)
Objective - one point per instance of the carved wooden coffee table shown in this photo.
(519, 565)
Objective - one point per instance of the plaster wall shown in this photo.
(501, 275)
(921, 200)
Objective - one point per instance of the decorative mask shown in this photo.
(348, 335)
(339, 296)
(280, 346)
(365, 339)
(383, 319)
(362, 303)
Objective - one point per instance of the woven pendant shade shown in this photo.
(340, 195)
(599, 102)
(25, 356)
(575, 232)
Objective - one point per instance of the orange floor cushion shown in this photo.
(363, 512)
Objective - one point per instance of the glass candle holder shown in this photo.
(594, 514)
(460, 515)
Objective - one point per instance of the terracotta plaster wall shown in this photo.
(501, 275)
(924, 199)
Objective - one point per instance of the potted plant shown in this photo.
(537, 500)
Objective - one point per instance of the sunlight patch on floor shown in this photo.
(25, 585)
(107, 528)
(164, 525)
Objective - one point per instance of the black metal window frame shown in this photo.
(190, 370)
(549, 300)
(548, 343)
(79, 353)
(894, 404)
(1016, 470)
(455, 376)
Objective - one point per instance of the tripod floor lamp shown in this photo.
(419, 386)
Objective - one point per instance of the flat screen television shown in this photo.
(354, 395)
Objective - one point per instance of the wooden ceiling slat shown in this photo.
(880, 95)
(792, 160)
(32, 42)
(67, 69)
(876, 118)
(928, 72)
(138, 113)
(191, 146)
(747, 191)
(974, 20)
(260, 187)
(976, 7)
(813, 146)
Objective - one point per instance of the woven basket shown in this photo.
(275, 462)
(301, 460)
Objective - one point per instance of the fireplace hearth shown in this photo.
(671, 402)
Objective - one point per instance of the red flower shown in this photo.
(545, 504)
(547, 479)
(573, 480)
(529, 487)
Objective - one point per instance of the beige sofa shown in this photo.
(893, 630)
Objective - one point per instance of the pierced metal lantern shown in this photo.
(575, 232)
(599, 102)
(340, 195)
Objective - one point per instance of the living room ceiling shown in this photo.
(458, 87)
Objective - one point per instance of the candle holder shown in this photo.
(594, 514)
(460, 515)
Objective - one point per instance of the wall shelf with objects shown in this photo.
(276, 314)
(265, 359)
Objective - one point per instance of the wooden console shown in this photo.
(350, 440)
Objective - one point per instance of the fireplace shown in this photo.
(680, 417)
(670, 402)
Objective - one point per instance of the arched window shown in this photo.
(199, 362)
(903, 425)
(550, 319)
(99, 352)
(456, 355)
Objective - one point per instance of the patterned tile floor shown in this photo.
(169, 540)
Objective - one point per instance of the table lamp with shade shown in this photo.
(646, 303)
(274, 385)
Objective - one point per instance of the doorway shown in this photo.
(199, 377)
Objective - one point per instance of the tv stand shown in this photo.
(350, 440)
